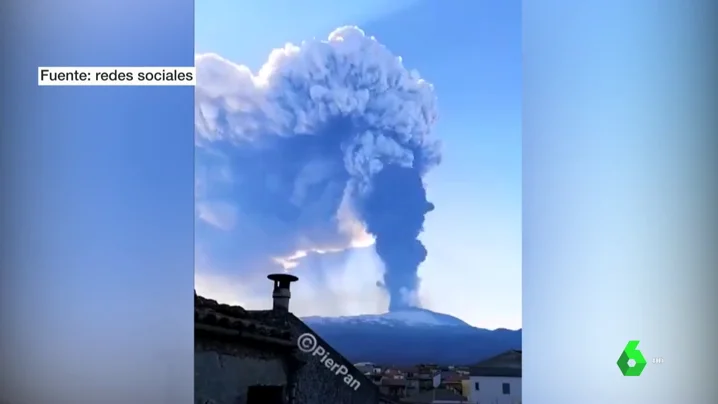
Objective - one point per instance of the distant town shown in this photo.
(495, 380)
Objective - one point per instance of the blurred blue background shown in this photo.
(97, 284)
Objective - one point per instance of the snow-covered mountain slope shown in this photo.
(407, 317)
(412, 336)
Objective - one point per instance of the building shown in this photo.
(497, 380)
(375, 378)
(466, 388)
(424, 379)
(393, 373)
(393, 387)
(254, 357)
(436, 396)
(368, 368)
(452, 380)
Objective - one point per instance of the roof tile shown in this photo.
(210, 313)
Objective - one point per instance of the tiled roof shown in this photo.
(452, 377)
(423, 375)
(392, 372)
(495, 372)
(210, 315)
(507, 364)
(512, 357)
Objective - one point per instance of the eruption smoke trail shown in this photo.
(329, 141)
(393, 211)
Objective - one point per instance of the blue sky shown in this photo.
(471, 53)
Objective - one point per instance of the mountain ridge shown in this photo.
(412, 336)
(410, 316)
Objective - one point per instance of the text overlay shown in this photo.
(116, 76)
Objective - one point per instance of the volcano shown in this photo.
(412, 336)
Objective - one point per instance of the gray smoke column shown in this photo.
(393, 210)
(328, 137)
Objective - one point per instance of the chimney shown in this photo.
(281, 293)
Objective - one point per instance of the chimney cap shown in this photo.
(282, 278)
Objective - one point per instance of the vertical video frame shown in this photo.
(358, 203)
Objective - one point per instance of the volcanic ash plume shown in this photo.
(393, 211)
(329, 140)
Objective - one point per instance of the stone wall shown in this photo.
(224, 371)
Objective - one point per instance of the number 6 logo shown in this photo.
(631, 353)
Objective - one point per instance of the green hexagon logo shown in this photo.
(631, 362)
